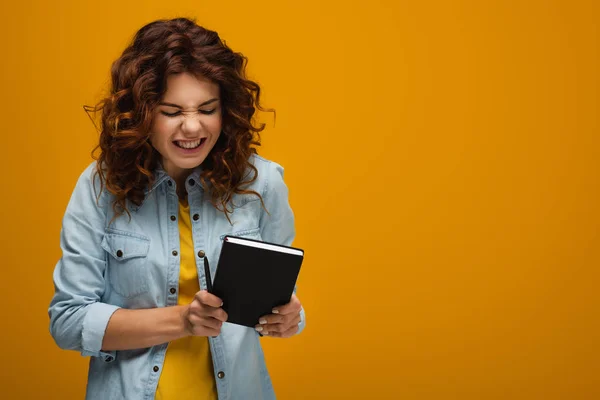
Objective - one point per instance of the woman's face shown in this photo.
(187, 123)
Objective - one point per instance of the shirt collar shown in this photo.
(161, 176)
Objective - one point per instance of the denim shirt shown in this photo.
(133, 263)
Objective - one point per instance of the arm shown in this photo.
(134, 329)
(79, 320)
(278, 225)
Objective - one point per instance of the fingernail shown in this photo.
(262, 321)
(265, 333)
(275, 311)
(259, 328)
(221, 304)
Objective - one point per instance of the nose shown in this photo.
(191, 124)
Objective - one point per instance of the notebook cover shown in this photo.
(251, 281)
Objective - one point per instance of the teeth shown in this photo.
(189, 145)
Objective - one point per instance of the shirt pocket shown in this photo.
(128, 254)
(241, 200)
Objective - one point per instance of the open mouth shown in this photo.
(189, 144)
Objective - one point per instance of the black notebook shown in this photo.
(253, 277)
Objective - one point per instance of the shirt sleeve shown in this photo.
(78, 318)
(277, 226)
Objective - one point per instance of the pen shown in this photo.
(207, 274)
(208, 278)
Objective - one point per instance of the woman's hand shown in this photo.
(283, 322)
(204, 315)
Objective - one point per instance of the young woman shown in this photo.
(175, 173)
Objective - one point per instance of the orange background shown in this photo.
(442, 159)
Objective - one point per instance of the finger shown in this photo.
(218, 314)
(269, 328)
(296, 320)
(282, 326)
(208, 299)
(205, 311)
(293, 306)
(263, 329)
(195, 307)
(289, 333)
(208, 322)
(206, 331)
(271, 319)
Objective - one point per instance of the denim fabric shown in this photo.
(134, 262)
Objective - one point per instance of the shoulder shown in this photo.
(270, 175)
(90, 185)
(267, 169)
(87, 176)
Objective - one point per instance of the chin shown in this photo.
(190, 164)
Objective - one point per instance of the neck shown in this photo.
(179, 175)
(181, 192)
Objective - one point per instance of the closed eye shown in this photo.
(205, 112)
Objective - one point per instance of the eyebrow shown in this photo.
(178, 106)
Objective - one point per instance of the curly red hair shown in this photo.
(127, 160)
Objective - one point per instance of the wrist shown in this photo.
(183, 324)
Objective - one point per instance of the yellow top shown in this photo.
(188, 371)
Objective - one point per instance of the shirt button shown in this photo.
(174, 252)
(196, 217)
(172, 290)
(173, 218)
(155, 369)
(109, 359)
(119, 253)
(221, 375)
(191, 182)
(170, 183)
(201, 254)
